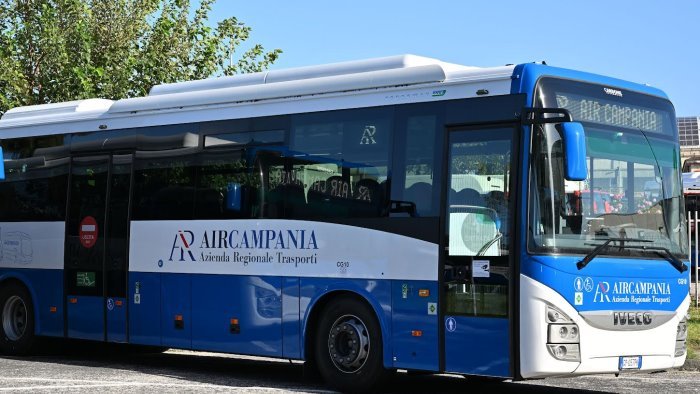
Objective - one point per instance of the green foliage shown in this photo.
(61, 50)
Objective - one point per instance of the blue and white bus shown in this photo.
(367, 216)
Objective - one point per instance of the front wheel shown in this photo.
(348, 346)
(17, 319)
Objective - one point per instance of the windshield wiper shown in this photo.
(677, 264)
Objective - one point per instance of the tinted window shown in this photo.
(35, 186)
(226, 187)
(164, 185)
(118, 225)
(88, 197)
(245, 138)
(337, 166)
(417, 162)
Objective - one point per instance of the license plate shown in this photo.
(630, 362)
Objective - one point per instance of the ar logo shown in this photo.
(182, 244)
(601, 292)
(368, 136)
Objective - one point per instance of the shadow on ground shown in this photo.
(224, 370)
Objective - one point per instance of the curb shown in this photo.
(691, 365)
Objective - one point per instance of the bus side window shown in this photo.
(342, 160)
(34, 188)
(164, 184)
(419, 167)
(227, 187)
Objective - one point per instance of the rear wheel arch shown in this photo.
(345, 341)
(310, 324)
(22, 281)
(17, 318)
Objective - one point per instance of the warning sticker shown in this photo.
(88, 232)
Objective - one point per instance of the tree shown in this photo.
(61, 50)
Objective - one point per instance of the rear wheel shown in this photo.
(17, 319)
(348, 346)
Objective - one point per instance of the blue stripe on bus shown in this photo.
(412, 312)
(485, 339)
(611, 283)
(86, 319)
(116, 320)
(271, 313)
(525, 77)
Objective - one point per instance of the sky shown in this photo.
(644, 41)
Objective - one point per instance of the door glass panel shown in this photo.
(85, 228)
(478, 228)
(118, 223)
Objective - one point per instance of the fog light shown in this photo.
(560, 352)
(567, 352)
(680, 348)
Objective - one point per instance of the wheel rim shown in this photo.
(348, 343)
(14, 318)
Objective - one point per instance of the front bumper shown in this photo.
(600, 349)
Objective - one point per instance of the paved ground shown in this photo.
(106, 371)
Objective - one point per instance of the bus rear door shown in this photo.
(96, 248)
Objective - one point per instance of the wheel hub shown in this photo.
(14, 318)
(348, 343)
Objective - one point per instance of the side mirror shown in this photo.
(2, 164)
(234, 196)
(574, 139)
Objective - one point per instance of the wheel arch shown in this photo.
(19, 280)
(318, 303)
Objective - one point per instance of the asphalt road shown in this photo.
(89, 369)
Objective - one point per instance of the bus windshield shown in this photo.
(633, 189)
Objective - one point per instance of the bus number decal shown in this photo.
(343, 266)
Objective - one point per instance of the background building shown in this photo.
(689, 136)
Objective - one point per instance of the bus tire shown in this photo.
(16, 320)
(348, 347)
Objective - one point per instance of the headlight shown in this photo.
(681, 337)
(682, 331)
(562, 335)
(554, 315)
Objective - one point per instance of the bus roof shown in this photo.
(167, 103)
(354, 84)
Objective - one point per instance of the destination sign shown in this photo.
(612, 113)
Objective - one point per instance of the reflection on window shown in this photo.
(227, 188)
(301, 186)
(34, 188)
(420, 149)
(164, 185)
(337, 167)
(477, 266)
(477, 200)
(628, 192)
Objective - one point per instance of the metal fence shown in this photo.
(693, 245)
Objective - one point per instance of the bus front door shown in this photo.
(477, 251)
(96, 248)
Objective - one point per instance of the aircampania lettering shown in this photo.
(245, 246)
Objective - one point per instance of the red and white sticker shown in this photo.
(88, 232)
